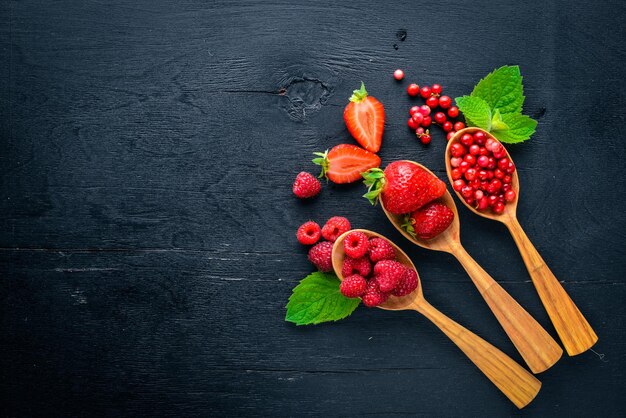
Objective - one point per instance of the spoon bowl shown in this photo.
(573, 329)
(515, 382)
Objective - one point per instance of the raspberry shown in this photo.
(408, 283)
(334, 227)
(351, 266)
(306, 185)
(380, 249)
(388, 273)
(353, 286)
(309, 233)
(373, 296)
(321, 256)
(355, 244)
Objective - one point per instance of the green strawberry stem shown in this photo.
(408, 225)
(323, 162)
(375, 182)
(359, 95)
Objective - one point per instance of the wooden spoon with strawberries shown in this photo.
(573, 329)
(512, 379)
(408, 187)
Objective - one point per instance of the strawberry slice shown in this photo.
(344, 163)
(429, 221)
(365, 119)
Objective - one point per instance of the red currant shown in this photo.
(447, 126)
(458, 126)
(425, 110)
(467, 191)
(470, 159)
(425, 92)
(470, 174)
(450, 135)
(467, 140)
(498, 208)
(419, 131)
(398, 74)
(479, 194)
(453, 112)
(445, 102)
(497, 173)
(417, 118)
(464, 166)
(483, 203)
(436, 89)
(458, 184)
(425, 139)
(432, 102)
(414, 110)
(439, 117)
(456, 174)
(457, 150)
(480, 137)
(511, 168)
(509, 195)
(493, 199)
(482, 174)
(483, 161)
(427, 121)
(506, 179)
(456, 161)
(412, 123)
(413, 89)
(474, 149)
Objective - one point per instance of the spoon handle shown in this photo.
(573, 329)
(512, 379)
(537, 347)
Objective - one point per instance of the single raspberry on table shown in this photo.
(380, 249)
(334, 227)
(355, 244)
(408, 283)
(353, 286)
(361, 266)
(388, 273)
(309, 233)
(373, 296)
(321, 256)
(306, 185)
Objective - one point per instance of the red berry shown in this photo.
(483, 175)
(425, 92)
(467, 140)
(453, 112)
(450, 135)
(474, 149)
(414, 110)
(388, 273)
(456, 174)
(425, 110)
(510, 195)
(419, 131)
(445, 102)
(398, 74)
(483, 151)
(417, 118)
(355, 244)
(506, 179)
(493, 199)
(432, 102)
(458, 185)
(361, 266)
(464, 166)
(409, 281)
(426, 122)
(457, 150)
(458, 126)
(498, 208)
(411, 124)
(380, 249)
(467, 191)
(483, 203)
(496, 184)
(334, 227)
(447, 126)
(413, 89)
(503, 163)
(309, 233)
(456, 161)
(436, 89)
(511, 167)
(440, 117)
(479, 194)
(480, 137)
(470, 174)
(492, 163)
(373, 296)
(425, 139)
(306, 185)
(497, 173)
(321, 256)
(353, 286)
(471, 160)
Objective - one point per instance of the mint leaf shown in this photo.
(519, 128)
(502, 89)
(317, 299)
(497, 124)
(476, 111)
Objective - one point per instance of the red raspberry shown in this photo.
(351, 266)
(306, 185)
(321, 256)
(309, 233)
(380, 249)
(388, 273)
(356, 244)
(353, 286)
(373, 296)
(408, 283)
(334, 227)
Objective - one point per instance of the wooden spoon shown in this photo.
(513, 380)
(573, 329)
(537, 347)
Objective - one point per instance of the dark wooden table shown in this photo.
(147, 221)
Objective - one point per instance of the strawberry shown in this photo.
(403, 187)
(365, 119)
(429, 221)
(344, 163)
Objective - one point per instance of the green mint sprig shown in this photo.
(495, 105)
(317, 299)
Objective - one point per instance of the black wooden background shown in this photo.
(147, 224)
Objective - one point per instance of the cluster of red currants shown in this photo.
(422, 116)
(482, 172)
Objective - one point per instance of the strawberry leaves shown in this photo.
(495, 105)
(317, 299)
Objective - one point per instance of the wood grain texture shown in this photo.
(142, 272)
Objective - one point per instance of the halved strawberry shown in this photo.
(403, 187)
(429, 221)
(344, 163)
(365, 119)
